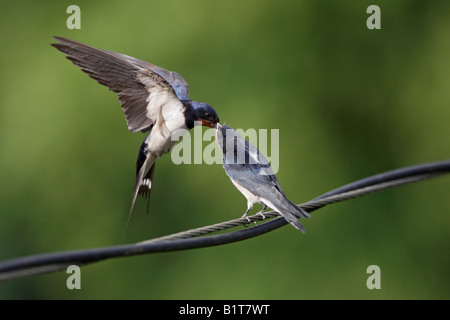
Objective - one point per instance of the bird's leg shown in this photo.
(249, 206)
(261, 212)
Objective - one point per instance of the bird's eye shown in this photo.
(206, 114)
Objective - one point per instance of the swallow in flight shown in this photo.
(253, 176)
(153, 99)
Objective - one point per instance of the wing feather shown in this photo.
(135, 81)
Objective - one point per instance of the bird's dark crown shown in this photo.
(200, 112)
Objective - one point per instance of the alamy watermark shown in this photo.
(374, 20)
(74, 280)
(200, 147)
(74, 20)
(374, 280)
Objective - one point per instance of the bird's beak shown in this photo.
(211, 122)
(207, 123)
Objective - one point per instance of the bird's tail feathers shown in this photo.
(292, 219)
(146, 185)
(291, 212)
(297, 211)
(139, 186)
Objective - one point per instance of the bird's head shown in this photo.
(205, 114)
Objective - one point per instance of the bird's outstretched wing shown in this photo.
(143, 88)
(177, 82)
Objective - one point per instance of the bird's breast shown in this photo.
(247, 194)
(169, 121)
(173, 116)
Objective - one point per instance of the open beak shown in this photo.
(207, 123)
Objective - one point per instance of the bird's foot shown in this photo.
(248, 219)
(245, 216)
(262, 215)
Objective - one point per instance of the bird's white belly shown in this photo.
(247, 194)
(159, 144)
(169, 123)
(255, 199)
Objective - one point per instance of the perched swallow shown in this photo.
(253, 176)
(153, 99)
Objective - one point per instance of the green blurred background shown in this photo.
(349, 102)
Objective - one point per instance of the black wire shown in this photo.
(44, 263)
(426, 168)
